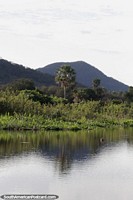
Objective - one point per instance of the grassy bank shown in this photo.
(19, 122)
(19, 111)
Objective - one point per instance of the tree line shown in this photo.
(65, 106)
(68, 89)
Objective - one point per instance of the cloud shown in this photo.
(103, 51)
(86, 32)
(108, 11)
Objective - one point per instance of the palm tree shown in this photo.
(65, 76)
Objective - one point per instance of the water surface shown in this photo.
(74, 165)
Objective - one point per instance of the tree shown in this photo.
(129, 94)
(83, 94)
(100, 92)
(65, 76)
(96, 83)
(22, 84)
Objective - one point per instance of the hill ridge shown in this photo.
(10, 71)
(86, 73)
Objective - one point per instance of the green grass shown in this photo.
(18, 122)
(19, 112)
(24, 122)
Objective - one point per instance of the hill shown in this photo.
(10, 71)
(85, 74)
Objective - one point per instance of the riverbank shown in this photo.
(19, 122)
(19, 112)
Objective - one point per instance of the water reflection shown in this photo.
(74, 165)
(64, 148)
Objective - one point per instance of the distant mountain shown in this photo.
(85, 74)
(10, 72)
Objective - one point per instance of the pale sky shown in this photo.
(39, 32)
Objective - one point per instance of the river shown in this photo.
(92, 165)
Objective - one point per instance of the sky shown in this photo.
(39, 32)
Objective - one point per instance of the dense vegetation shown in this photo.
(23, 106)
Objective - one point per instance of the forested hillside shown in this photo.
(10, 72)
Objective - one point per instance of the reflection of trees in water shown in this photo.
(62, 147)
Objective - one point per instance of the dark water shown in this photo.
(96, 165)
